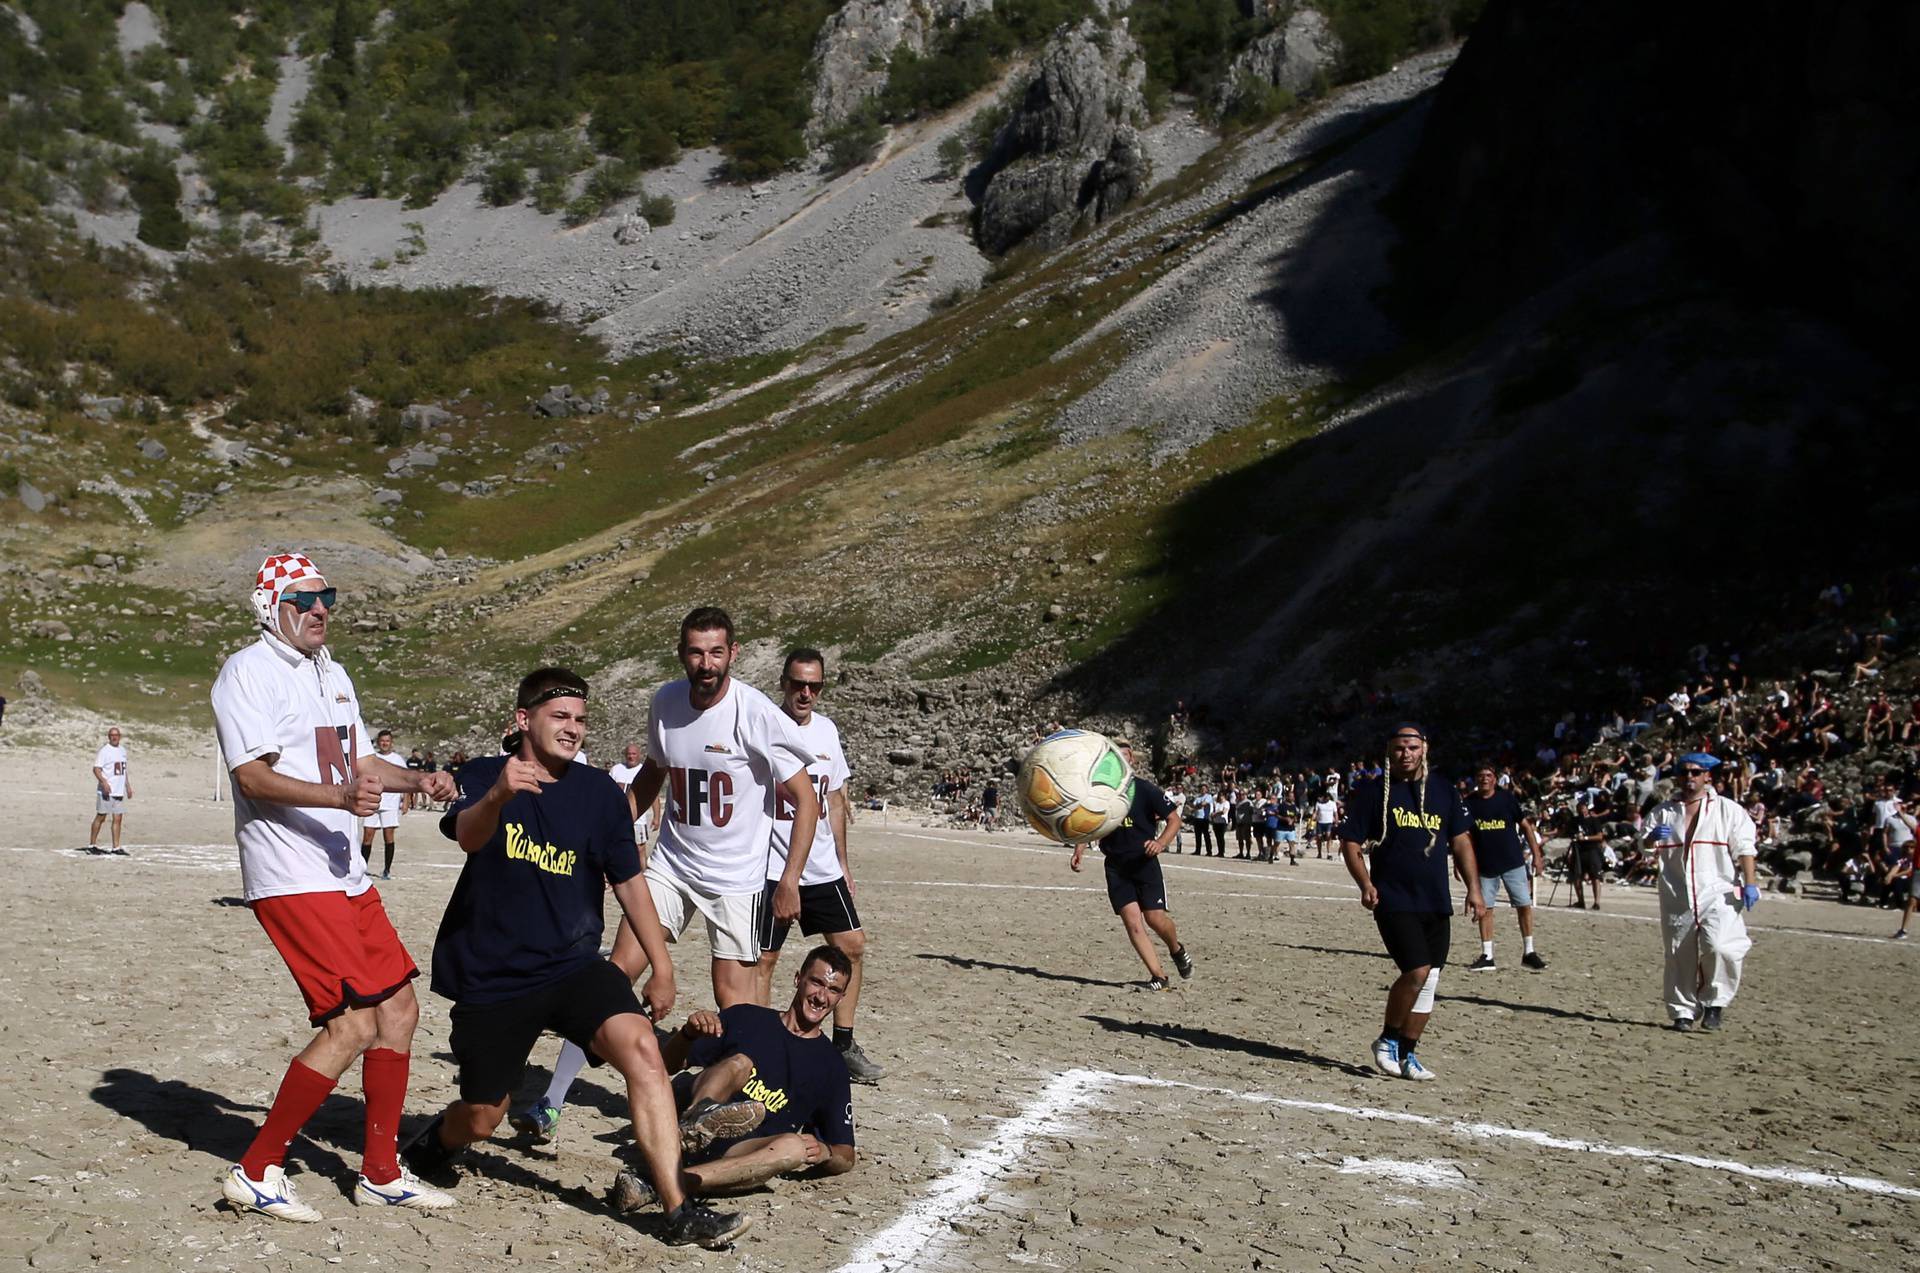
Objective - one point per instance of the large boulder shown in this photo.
(1069, 153)
(851, 52)
(1295, 56)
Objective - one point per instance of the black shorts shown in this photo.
(824, 908)
(1415, 939)
(1593, 861)
(491, 1041)
(1136, 879)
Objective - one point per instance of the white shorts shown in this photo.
(731, 929)
(116, 805)
(642, 830)
(382, 818)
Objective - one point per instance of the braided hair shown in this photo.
(1419, 803)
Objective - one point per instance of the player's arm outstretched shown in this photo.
(636, 903)
(260, 782)
(478, 821)
(438, 785)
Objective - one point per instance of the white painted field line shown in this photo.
(1347, 891)
(900, 1245)
(1545, 1140)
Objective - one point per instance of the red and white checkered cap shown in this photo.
(278, 573)
(282, 570)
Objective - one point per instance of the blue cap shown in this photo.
(1701, 760)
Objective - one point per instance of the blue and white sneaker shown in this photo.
(1410, 1068)
(408, 1191)
(1386, 1056)
(272, 1195)
(538, 1120)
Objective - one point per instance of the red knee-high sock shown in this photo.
(383, 1074)
(300, 1095)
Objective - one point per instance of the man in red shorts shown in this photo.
(303, 768)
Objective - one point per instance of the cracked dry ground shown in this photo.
(146, 1022)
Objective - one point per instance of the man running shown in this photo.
(825, 880)
(1496, 822)
(518, 950)
(387, 816)
(782, 1063)
(302, 769)
(1705, 843)
(719, 748)
(112, 788)
(1403, 816)
(1135, 885)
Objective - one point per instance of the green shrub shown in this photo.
(657, 209)
(505, 182)
(854, 141)
(952, 154)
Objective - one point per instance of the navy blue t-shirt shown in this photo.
(1409, 867)
(526, 911)
(801, 1082)
(1495, 828)
(1129, 840)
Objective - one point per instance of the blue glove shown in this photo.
(1750, 895)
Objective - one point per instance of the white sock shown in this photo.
(1527, 941)
(565, 1071)
(1486, 950)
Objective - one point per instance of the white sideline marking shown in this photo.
(1347, 890)
(900, 1245)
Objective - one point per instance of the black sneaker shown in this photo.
(426, 1157)
(1183, 963)
(1710, 1019)
(692, 1224)
(861, 1068)
(1683, 1024)
(1483, 964)
(1154, 984)
(631, 1191)
(707, 1120)
(1532, 960)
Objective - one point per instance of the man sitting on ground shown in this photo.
(781, 1060)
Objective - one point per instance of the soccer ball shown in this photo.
(1075, 787)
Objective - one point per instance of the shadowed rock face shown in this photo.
(1776, 146)
(1070, 152)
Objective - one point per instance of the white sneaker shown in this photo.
(1410, 1068)
(273, 1195)
(408, 1191)
(1386, 1056)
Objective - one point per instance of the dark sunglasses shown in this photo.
(305, 601)
(797, 685)
(1693, 773)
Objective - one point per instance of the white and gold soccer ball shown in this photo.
(1075, 786)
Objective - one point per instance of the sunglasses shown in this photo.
(305, 601)
(1693, 773)
(802, 686)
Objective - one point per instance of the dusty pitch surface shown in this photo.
(1038, 1112)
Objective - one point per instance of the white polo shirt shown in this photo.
(271, 700)
(722, 766)
(829, 772)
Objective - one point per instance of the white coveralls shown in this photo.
(1700, 902)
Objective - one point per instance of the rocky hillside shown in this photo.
(1241, 397)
